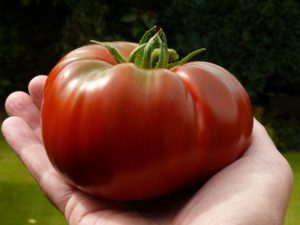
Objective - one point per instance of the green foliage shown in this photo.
(84, 22)
(138, 21)
(257, 40)
(27, 39)
(129, 20)
(286, 132)
(34, 34)
(283, 129)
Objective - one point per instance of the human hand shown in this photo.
(253, 190)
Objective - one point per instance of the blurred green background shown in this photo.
(257, 40)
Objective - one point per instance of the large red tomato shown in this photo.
(123, 132)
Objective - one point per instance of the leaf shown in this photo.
(129, 18)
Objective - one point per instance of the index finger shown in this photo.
(36, 89)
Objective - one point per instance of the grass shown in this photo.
(293, 212)
(22, 202)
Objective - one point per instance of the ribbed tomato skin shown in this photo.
(125, 133)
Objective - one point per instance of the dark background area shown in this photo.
(258, 41)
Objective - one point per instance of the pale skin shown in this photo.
(253, 190)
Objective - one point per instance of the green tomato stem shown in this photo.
(147, 60)
(112, 51)
(147, 35)
(152, 52)
(135, 56)
(164, 55)
(173, 56)
(186, 59)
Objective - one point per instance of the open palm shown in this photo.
(253, 190)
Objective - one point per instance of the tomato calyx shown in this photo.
(152, 52)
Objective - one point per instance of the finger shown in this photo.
(36, 88)
(248, 183)
(21, 105)
(26, 145)
(30, 150)
(261, 141)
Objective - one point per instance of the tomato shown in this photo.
(124, 132)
